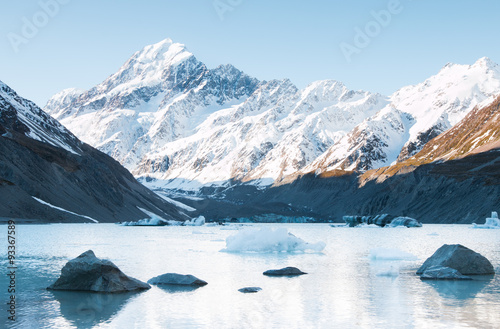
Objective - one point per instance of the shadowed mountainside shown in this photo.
(41, 159)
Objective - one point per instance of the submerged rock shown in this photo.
(249, 290)
(443, 273)
(287, 271)
(89, 273)
(460, 258)
(177, 279)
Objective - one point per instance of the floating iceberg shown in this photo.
(491, 222)
(390, 254)
(268, 240)
(198, 221)
(153, 220)
(391, 272)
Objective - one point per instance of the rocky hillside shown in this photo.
(48, 175)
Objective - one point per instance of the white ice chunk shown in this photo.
(153, 220)
(268, 240)
(491, 223)
(388, 272)
(198, 221)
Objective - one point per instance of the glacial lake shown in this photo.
(345, 288)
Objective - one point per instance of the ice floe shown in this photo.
(268, 240)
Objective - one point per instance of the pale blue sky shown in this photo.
(86, 41)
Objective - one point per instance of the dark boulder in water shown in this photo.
(89, 273)
(177, 280)
(287, 271)
(460, 258)
(249, 290)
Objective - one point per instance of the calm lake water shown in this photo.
(345, 288)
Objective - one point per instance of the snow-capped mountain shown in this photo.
(415, 115)
(166, 115)
(47, 174)
(159, 95)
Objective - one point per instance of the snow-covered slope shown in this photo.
(478, 132)
(371, 144)
(33, 122)
(415, 115)
(275, 132)
(165, 115)
(443, 100)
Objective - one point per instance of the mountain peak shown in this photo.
(165, 51)
(485, 62)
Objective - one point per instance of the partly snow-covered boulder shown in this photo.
(382, 220)
(405, 221)
(89, 273)
(460, 258)
(177, 279)
(249, 290)
(146, 222)
(287, 271)
(443, 273)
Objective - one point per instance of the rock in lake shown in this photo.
(177, 279)
(89, 273)
(443, 273)
(249, 290)
(287, 271)
(460, 258)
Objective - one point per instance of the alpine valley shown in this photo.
(230, 145)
